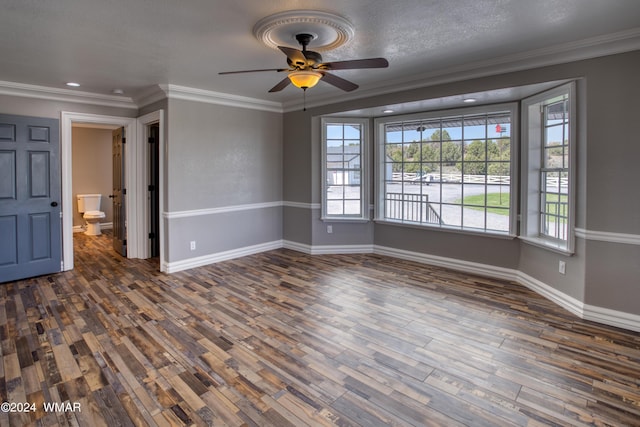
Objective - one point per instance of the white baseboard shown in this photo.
(172, 267)
(328, 249)
(454, 264)
(565, 301)
(609, 317)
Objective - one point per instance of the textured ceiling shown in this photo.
(135, 44)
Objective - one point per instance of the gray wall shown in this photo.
(605, 274)
(45, 108)
(221, 157)
(92, 168)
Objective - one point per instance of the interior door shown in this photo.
(30, 188)
(119, 193)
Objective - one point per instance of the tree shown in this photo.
(475, 156)
(440, 135)
(451, 153)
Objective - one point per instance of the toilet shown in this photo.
(89, 207)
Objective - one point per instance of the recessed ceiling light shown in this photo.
(469, 100)
(73, 84)
(117, 91)
(387, 111)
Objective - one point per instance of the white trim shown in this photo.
(172, 267)
(301, 205)
(609, 44)
(68, 207)
(328, 249)
(224, 209)
(296, 246)
(210, 97)
(533, 145)
(452, 263)
(606, 236)
(65, 95)
(143, 181)
(364, 124)
(568, 302)
(615, 318)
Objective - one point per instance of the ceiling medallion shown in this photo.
(329, 31)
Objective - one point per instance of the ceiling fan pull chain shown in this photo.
(304, 99)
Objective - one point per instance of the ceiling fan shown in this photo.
(306, 68)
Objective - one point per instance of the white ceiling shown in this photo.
(135, 44)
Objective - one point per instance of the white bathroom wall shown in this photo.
(92, 171)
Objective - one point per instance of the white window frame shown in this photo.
(380, 123)
(532, 163)
(363, 169)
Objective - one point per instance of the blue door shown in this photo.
(30, 223)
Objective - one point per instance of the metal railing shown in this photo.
(411, 207)
(555, 220)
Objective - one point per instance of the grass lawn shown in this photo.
(496, 203)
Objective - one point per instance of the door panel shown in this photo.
(30, 225)
(7, 175)
(119, 194)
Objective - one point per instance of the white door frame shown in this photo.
(143, 178)
(131, 180)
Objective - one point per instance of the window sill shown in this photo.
(471, 232)
(556, 247)
(356, 220)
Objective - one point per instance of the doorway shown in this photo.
(153, 188)
(135, 181)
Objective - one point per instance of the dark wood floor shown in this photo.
(287, 339)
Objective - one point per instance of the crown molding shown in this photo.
(210, 97)
(624, 41)
(610, 44)
(65, 95)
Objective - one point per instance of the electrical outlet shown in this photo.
(562, 267)
(329, 229)
(192, 245)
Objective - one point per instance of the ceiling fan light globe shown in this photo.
(304, 79)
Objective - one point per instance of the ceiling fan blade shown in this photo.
(339, 82)
(355, 64)
(283, 83)
(254, 71)
(296, 57)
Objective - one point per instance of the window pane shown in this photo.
(451, 153)
(334, 207)
(335, 192)
(474, 217)
(475, 131)
(343, 168)
(334, 132)
(352, 207)
(452, 215)
(352, 132)
(499, 149)
(475, 150)
(394, 135)
(435, 172)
